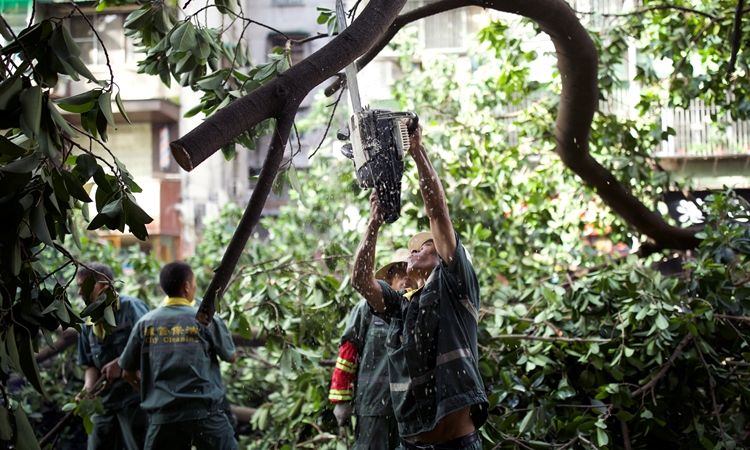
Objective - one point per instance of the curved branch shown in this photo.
(286, 91)
(736, 37)
(249, 219)
(577, 61)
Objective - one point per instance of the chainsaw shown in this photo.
(378, 140)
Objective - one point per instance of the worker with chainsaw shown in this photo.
(172, 359)
(436, 389)
(361, 373)
(123, 424)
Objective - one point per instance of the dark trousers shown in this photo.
(376, 433)
(212, 433)
(123, 429)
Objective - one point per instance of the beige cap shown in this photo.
(399, 257)
(416, 241)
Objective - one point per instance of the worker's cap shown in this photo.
(399, 257)
(416, 241)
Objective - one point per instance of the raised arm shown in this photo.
(434, 199)
(363, 277)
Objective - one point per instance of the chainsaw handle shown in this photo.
(413, 123)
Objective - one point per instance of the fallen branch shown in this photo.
(664, 368)
(68, 417)
(589, 442)
(712, 386)
(322, 437)
(737, 318)
(529, 337)
(569, 444)
(736, 39)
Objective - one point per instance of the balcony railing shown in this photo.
(701, 132)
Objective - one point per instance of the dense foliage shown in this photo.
(617, 355)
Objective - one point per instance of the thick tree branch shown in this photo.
(577, 63)
(286, 91)
(249, 219)
(736, 37)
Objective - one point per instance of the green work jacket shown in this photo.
(177, 357)
(95, 352)
(432, 347)
(368, 333)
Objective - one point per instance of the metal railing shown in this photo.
(702, 132)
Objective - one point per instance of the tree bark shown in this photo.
(249, 219)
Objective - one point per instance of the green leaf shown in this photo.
(9, 148)
(105, 106)
(29, 367)
(121, 107)
(136, 211)
(661, 322)
(528, 422)
(69, 407)
(109, 316)
(266, 70)
(229, 151)
(24, 439)
(31, 110)
(58, 183)
(140, 18)
(278, 183)
(602, 437)
(183, 37)
(294, 182)
(6, 430)
(75, 189)
(9, 90)
(60, 120)
(80, 103)
(113, 209)
(6, 34)
(624, 416)
(78, 65)
(88, 424)
(25, 165)
(86, 166)
(63, 44)
(39, 224)
(94, 305)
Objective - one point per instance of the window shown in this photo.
(299, 51)
(111, 31)
(447, 30)
(286, 2)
